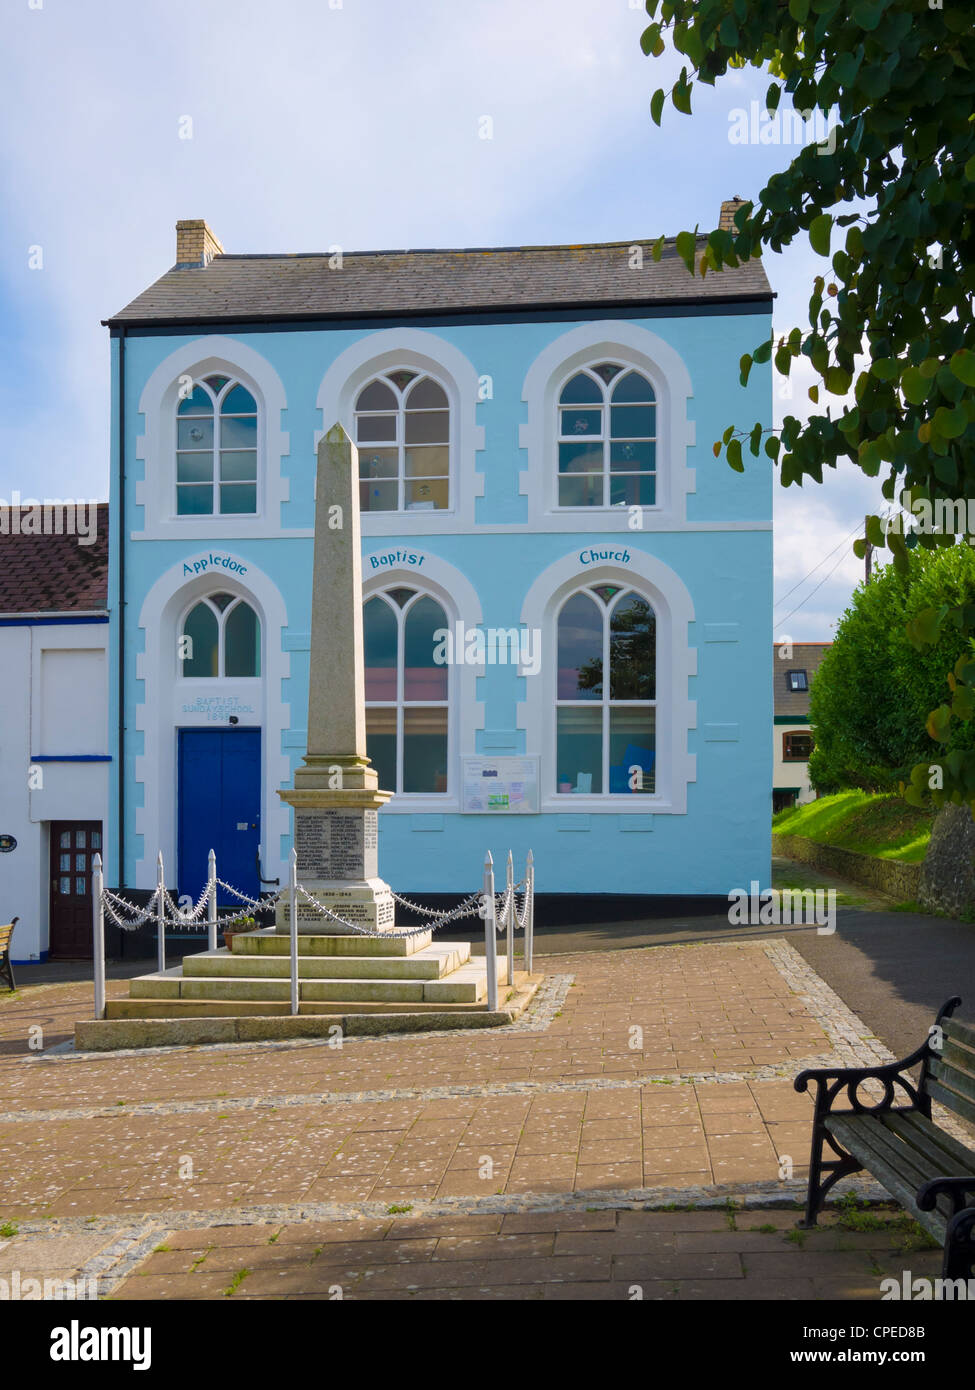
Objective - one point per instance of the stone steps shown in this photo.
(180, 1022)
(270, 1008)
(467, 984)
(428, 963)
(403, 942)
(396, 974)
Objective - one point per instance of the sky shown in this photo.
(355, 123)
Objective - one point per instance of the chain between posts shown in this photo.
(162, 908)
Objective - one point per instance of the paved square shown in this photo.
(639, 1077)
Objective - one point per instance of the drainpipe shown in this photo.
(121, 608)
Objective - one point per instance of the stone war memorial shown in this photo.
(347, 958)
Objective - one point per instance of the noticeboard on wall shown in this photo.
(500, 786)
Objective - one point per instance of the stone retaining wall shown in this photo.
(890, 876)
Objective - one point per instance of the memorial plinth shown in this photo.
(336, 795)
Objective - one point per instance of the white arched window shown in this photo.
(407, 689)
(220, 636)
(607, 438)
(402, 431)
(216, 448)
(606, 694)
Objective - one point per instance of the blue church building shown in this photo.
(566, 597)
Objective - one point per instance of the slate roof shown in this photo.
(53, 573)
(806, 656)
(251, 288)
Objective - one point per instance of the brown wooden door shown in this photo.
(74, 844)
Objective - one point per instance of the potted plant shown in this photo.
(233, 925)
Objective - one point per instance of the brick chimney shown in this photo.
(728, 210)
(196, 244)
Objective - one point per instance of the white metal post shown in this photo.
(212, 904)
(293, 914)
(530, 911)
(99, 935)
(490, 944)
(161, 907)
(510, 916)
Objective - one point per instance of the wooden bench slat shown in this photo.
(954, 1079)
(6, 932)
(915, 1166)
(958, 1058)
(921, 1131)
(951, 1100)
(905, 1159)
(861, 1139)
(960, 1032)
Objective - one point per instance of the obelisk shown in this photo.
(336, 796)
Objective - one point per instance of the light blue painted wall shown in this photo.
(723, 841)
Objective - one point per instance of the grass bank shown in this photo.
(869, 823)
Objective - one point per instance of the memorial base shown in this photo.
(367, 903)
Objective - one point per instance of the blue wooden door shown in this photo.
(219, 808)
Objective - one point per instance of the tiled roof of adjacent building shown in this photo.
(53, 573)
(806, 656)
(371, 283)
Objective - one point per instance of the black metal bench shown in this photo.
(929, 1172)
(6, 969)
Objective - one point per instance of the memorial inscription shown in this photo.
(331, 844)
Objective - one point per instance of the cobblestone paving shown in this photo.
(641, 1077)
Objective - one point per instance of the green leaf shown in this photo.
(799, 10)
(763, 352)
(755, 439)
(734, 456)
(650, 40)
(924, 628)
(868, 13)
(838, 381)
(682, 94)
(962, 362)
(950, 423)
(875, 533)
(657, 105)
(744, 366)
(819, 233)
(939, 724)
(915, 386)
(686, 247)
(970, 169)
(885, 368)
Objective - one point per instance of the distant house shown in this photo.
(794, 664)
(54, 744)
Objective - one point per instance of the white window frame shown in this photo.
(216, 449)
(606, 703)
(401, 704)
(417, 350)
(221, 616)
(604, 438)
(399, 442)
(675, 767)
(634, 348)
(155, 491)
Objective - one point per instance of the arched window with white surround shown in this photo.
(220, 636)
(407, 690)
(402, 432)
(216, 448)
(607, 438)
(606, 696)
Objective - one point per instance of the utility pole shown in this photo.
(867, 555)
